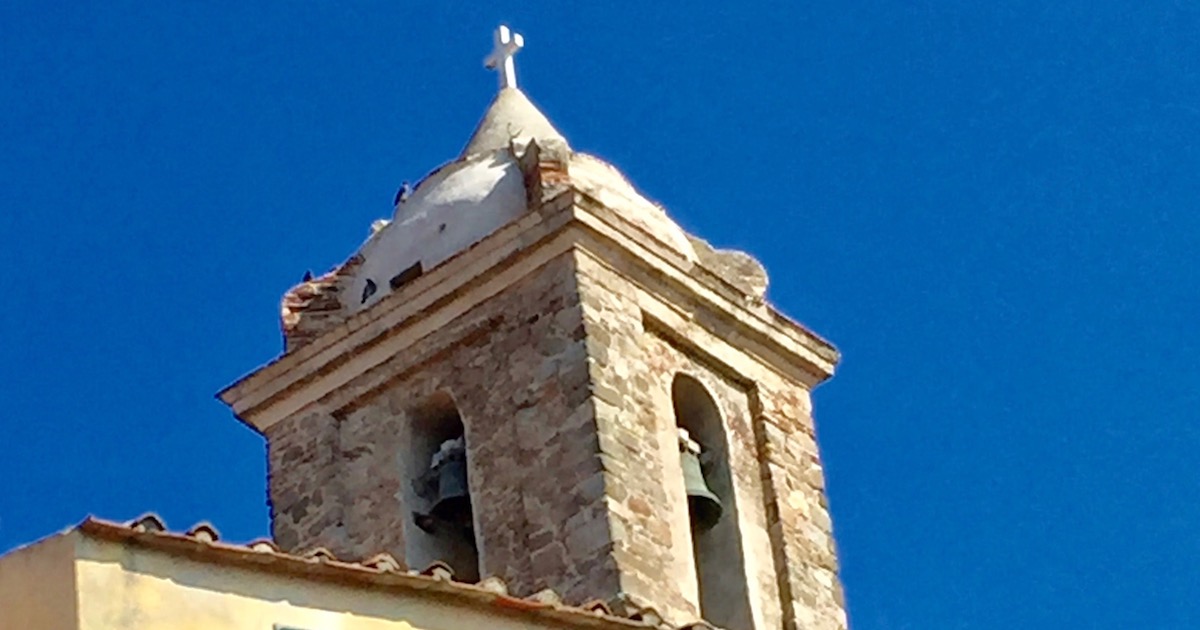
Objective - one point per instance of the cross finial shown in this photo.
(501, 59)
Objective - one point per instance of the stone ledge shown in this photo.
(351, 348)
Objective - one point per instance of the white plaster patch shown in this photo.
(451, 210)
(607, 185)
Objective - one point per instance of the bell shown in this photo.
(703, 505)
(453, 503)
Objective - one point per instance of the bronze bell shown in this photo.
(453, 503)
(703, 506)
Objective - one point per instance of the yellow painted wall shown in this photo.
(37, 586)
(129, 587)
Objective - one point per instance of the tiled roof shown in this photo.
(203, 542)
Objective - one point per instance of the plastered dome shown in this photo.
(464, 201)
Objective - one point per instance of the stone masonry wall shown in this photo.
(303, 488)
(565, 398)
(786, 531)
(633, 372)
(517, 367)
(654, 564)
(797, 508)
(664, 361)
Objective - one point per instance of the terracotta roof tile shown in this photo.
(382, 570)
(383, 562)
(547, 596)
(494, 584)
(264, 545)
(148, 522)
(204, 531)
(647, 614)
(597, 607)
(320, 554)
(439, 570)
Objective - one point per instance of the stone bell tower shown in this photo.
(532, 372)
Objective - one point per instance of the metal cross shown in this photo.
(508, 44)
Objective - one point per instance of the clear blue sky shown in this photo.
(990, 207)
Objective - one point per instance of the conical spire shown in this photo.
(512, 117)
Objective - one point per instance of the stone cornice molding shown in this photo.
(570, 221)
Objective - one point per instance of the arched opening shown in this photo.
(440, 525)
(716, 538)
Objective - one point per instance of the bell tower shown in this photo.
(531, 372)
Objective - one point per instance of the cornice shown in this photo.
(570, 221)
